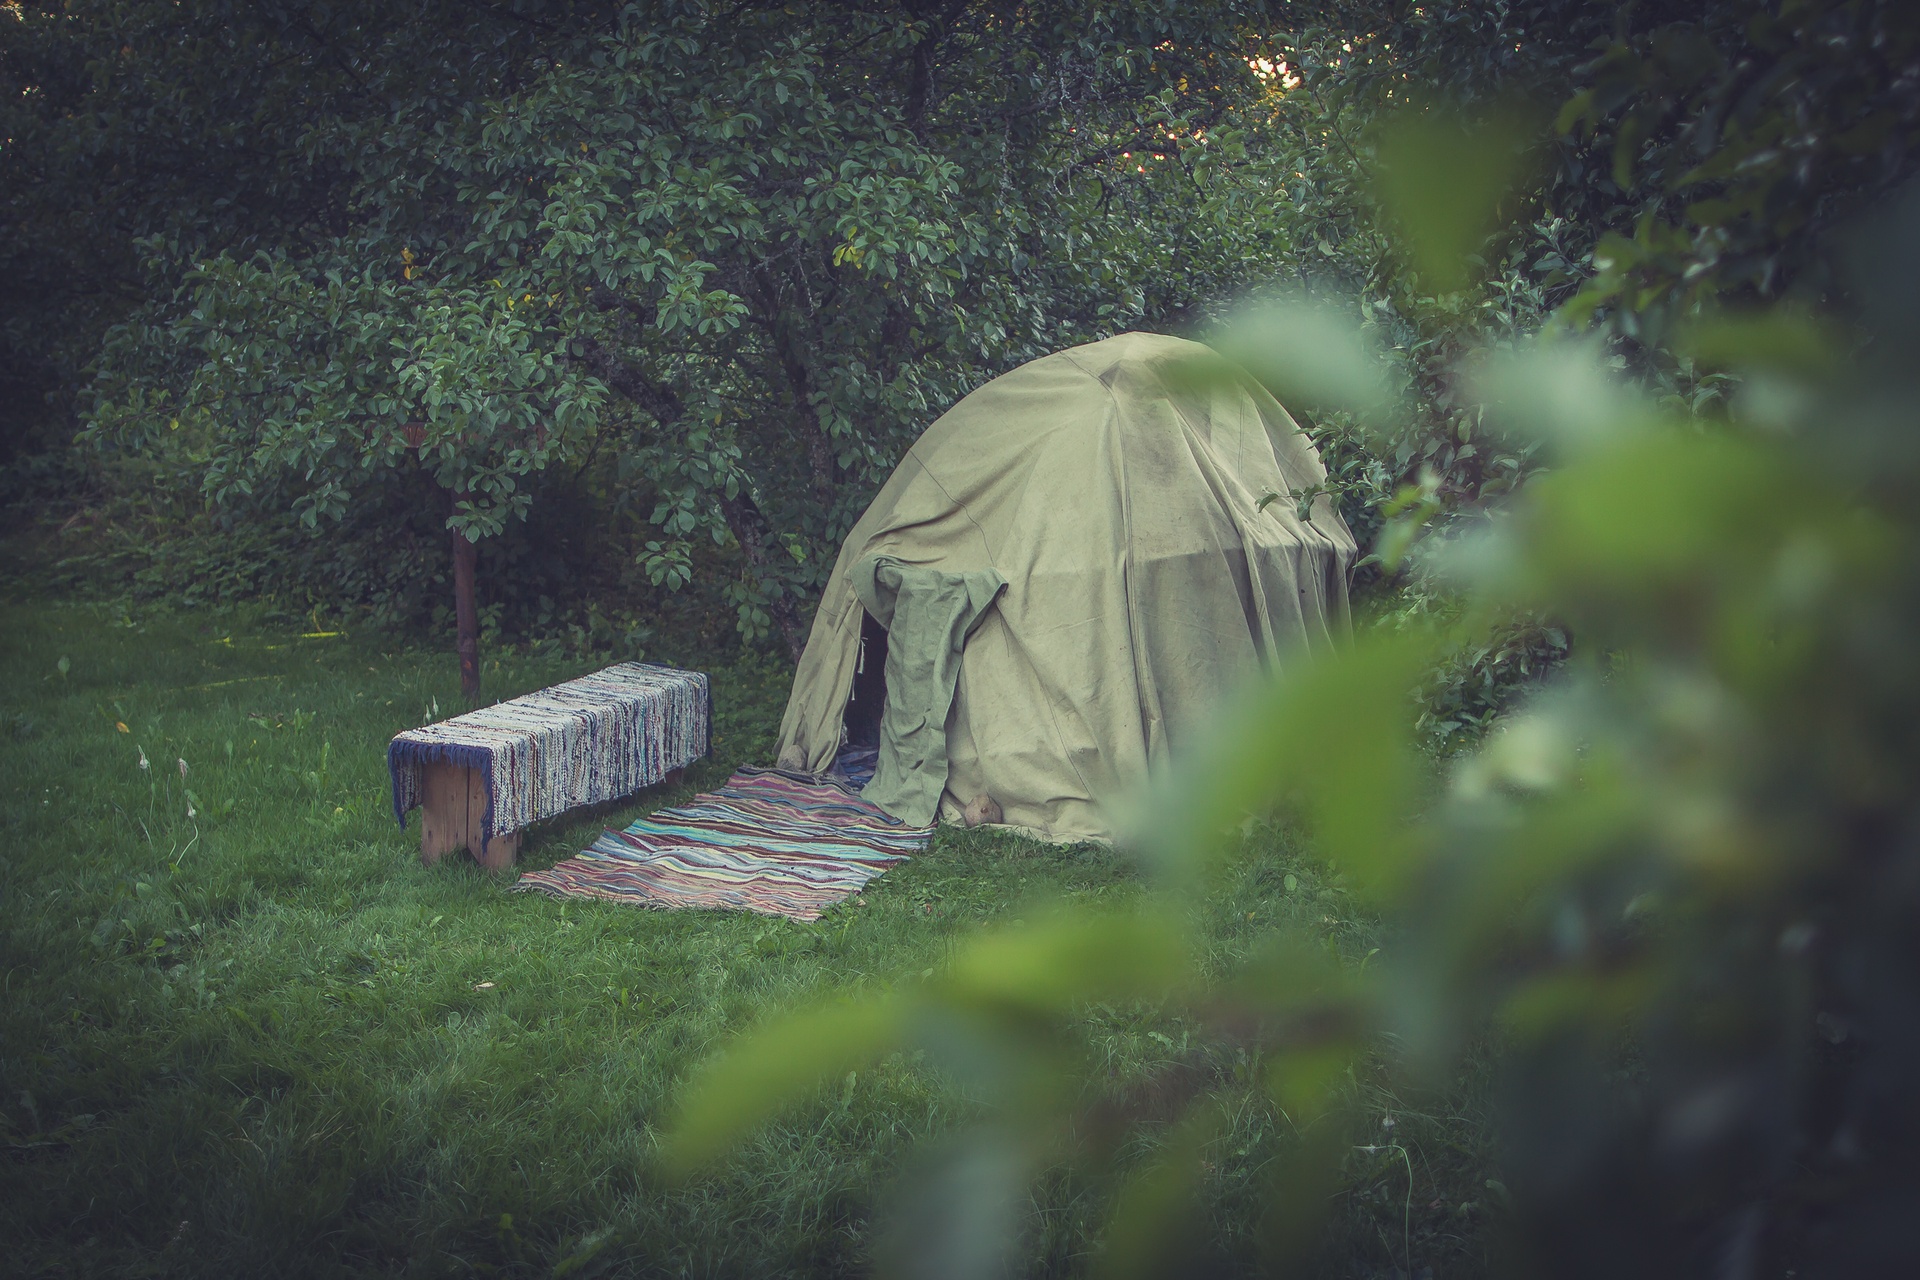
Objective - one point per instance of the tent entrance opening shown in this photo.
(868, 700)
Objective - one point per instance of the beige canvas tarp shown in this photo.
(1116, 489)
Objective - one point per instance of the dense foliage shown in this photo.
(728, 263)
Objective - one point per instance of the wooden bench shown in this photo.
(481, 778)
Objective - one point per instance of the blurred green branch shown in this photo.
(1673, 886)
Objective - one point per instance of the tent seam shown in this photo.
(1126, 570)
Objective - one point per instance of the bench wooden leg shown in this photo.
(453, 808)
(500, 853)
(443, 810)
(453, 805)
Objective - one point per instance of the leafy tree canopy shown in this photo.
(746, 253)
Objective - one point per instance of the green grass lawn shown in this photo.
(263, 1039)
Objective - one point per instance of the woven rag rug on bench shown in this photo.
(589, 740)
(781, 844)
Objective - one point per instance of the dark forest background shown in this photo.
(649, 298)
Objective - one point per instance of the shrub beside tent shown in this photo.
(1063, 579)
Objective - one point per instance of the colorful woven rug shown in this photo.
(597, 738)
(781, 844)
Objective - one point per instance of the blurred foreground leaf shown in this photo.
(1335, 735)
(1441, 180)
(1669, 895)
(778, 1065)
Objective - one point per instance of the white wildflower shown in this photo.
(183, 770)
(144, 766)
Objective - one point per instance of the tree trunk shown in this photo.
(820, 459)
(780, 325)
(466, 617)
(742, 515)
(750, 530)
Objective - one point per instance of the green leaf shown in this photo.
(1780, 340)
(771, 1069)
(1053, 967)
(1334, 734)
(1153, 1229)
(1441, 179)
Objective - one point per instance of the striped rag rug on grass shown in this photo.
(781, 844)
(585, 741)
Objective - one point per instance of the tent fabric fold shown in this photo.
(928, 615)
(1116, 490)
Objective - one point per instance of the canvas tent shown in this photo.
(1068, 573)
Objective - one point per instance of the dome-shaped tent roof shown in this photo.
(1115, 488)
